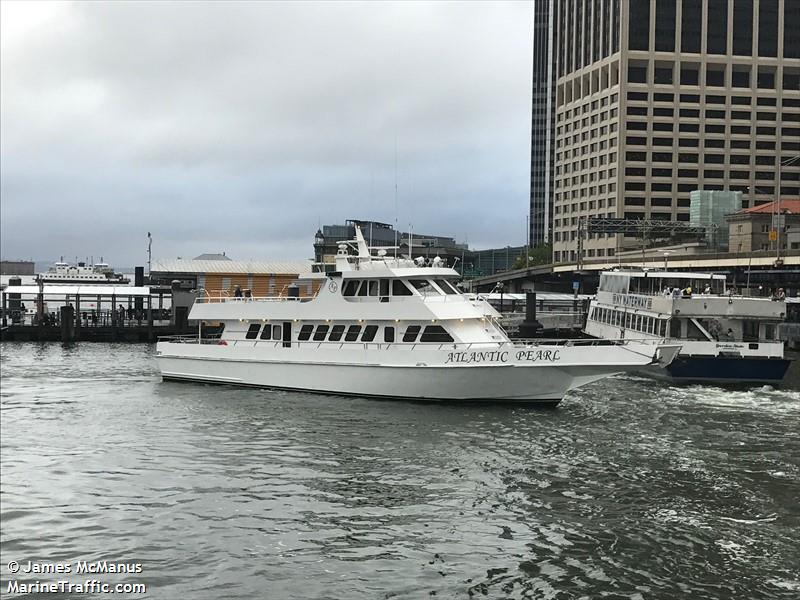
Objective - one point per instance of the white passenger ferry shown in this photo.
(388, 327)
(98, 273)
(724, 337)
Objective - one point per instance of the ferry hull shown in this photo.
(723, 369)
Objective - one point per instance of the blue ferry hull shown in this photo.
(728, 369)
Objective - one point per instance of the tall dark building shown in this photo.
(541, 208)
(657, 98)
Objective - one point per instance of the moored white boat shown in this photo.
(724, 337)
(389, 327)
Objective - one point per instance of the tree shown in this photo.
(541, 255)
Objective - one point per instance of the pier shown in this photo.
(96, 313)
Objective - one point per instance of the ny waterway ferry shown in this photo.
(379, 326)
(724, 337)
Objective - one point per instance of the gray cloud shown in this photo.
(241, 126)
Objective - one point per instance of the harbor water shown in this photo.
(631, 488)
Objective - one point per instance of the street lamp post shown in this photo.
(666, 258)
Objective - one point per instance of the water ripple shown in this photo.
(630, 489)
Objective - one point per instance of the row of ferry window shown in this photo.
(398, 287)
(351, 333)
(629, 320)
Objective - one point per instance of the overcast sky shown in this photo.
(242, 126)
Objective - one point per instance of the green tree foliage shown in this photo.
(541, 255)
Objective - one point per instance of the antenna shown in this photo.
(410, 241)
(149, 251)
(395, 199)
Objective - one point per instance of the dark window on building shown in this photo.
(715, 99)
(388, 334)
(765, 145)
(636, 126)
(587, 32)
(615, 27)
(686, 157)
(690, 127)
(766, 78)
(662, 157)
(635, 141)
(713, 174)
(739, 130)
(689, 76)
(662, 141)
(663, 112)
(685, 187)
(638, 25)
(791, 32)
(710, 143)
(635, 171)
(412, 331)
(689, 112)
(687, 172)
(765, 160)
(740, 78)
(739, 159)
(578, 34)
(637, 96)
(252, 331)
(743, 27)
(715, 114)
(661, 187)
(604, 27)
(636, 156)
(691, 22)
(435, 333)
(637, 111)
(717, 30)
(637, 74)
(369, 333)
(665, 25)
(660, 202)
(321, 332)
(266, 333)
(663, 97)
(305, 333)
(688, 142)
(715, 76)
(741, 100)
(791, 81)
(690, 98)
(634, 202)
(767, 102)
(662, 126)
(768, 27)
(336, 333)
(352, 333)
(765, 130)
(715, 128)
(742, 115)
(740, 175)
(663, 75)
(714, 159)
(662, 172)
(633, 186)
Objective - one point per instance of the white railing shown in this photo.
(520, 343)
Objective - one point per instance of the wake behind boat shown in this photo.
(393, 328)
